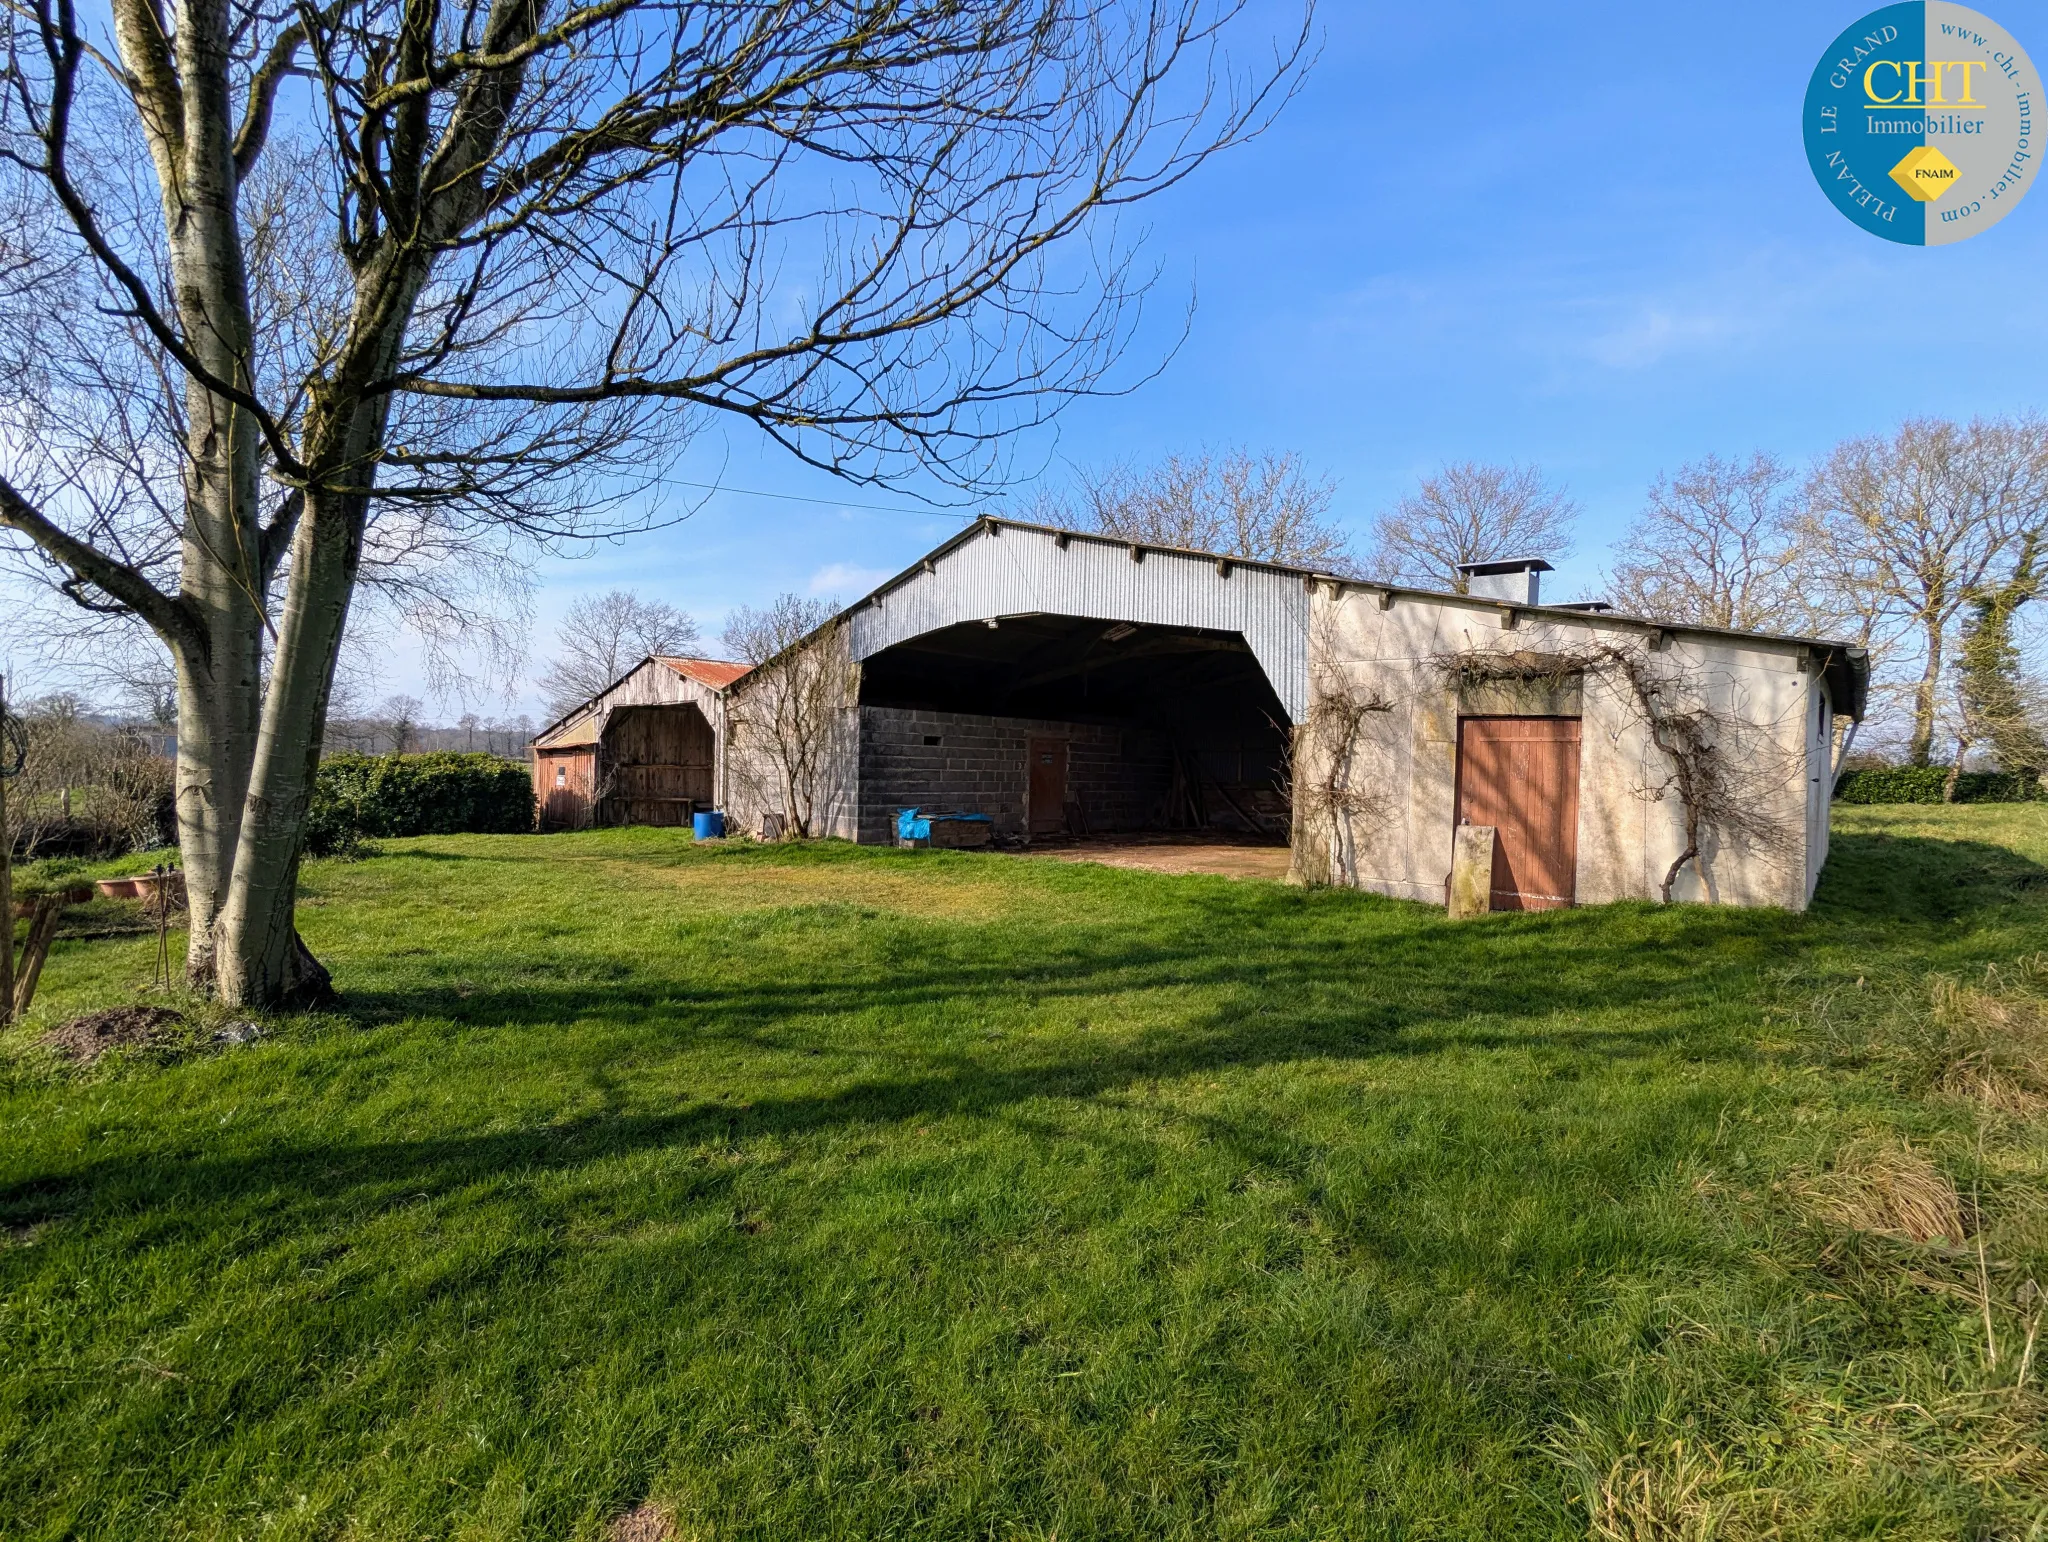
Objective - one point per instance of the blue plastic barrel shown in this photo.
(710, 825)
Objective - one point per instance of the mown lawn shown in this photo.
(832, 1193)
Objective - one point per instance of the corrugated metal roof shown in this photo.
(1025, 570)
(1268, 605)
(716, 673)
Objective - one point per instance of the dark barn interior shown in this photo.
(656, 765)
(1068, 726)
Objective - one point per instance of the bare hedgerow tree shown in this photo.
(1265, 507)
(275, 269)
(1470, 513)
(1718, 545)
(602, 637)
(784, 717)
(1904, 530)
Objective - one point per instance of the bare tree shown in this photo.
(784, 717)
(1266, 507)
(402, 721)
(602, 637)
(280, 271)
(1718, 545)
(1471, 512)
(1904, 530)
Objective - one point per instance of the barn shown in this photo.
(643, 751)
(1069, 686)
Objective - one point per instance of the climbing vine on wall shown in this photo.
(1332, 792)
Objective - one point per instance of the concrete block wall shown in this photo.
(1119, 775)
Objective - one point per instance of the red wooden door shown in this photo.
(1521, 775)
(1047, 792)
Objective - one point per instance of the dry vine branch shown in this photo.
(1322, 772)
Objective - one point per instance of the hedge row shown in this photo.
(359, 797)
(1926, 784)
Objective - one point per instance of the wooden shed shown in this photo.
(646, 750)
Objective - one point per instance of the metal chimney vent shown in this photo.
(1517, 580)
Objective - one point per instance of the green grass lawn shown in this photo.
(834, 1193)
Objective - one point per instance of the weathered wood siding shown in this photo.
(564, 787)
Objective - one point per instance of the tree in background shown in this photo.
(602, 637)
(298, 290)
(1903, 531)
(2000, 708)
(403, 714)
(1471, 512)
(1717, 545)
(1265, 507)
(784, 715)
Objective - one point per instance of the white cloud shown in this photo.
(1656, 332)
(846, 580)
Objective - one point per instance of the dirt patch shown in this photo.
(1224, 857)
(87, 1038)
(642, 1523)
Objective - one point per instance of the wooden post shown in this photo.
(42, 928)
(6, 878)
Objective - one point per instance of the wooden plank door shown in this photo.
(1521, 775)
(1046, 794)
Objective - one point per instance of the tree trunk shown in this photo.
(1921, 750)
(261, 961)
(181, 87)
(217, 719)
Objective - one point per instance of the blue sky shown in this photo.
(1579, 235)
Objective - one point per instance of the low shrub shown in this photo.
(360, 797)
(1928, 784)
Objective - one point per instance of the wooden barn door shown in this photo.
(1047, 792)
(1521, 775)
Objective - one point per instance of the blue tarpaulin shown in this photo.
(916, 825)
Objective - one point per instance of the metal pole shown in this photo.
(6, 880)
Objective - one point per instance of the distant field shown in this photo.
(823, 1192)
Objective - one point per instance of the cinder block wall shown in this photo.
(1120, 776)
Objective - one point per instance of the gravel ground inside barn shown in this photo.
(1220, 855)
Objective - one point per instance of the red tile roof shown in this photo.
(716, 673)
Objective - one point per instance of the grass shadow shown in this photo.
(1915, 879)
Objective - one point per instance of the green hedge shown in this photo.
(360, 797)
(1925, 784)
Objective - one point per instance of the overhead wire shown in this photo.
(837, 503)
